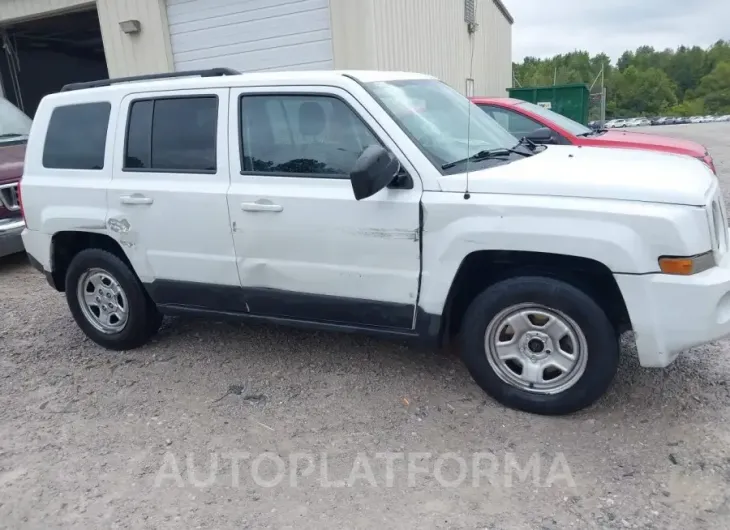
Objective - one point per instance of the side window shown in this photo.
(318, 136)
(76, 137)
(516, 123)
(170, 135)
(139, 136)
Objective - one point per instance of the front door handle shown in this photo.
(136, 198)
(261, 206)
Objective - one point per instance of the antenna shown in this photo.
(470, 83)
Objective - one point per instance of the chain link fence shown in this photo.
(597, 105)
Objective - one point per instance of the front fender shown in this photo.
(627, 237)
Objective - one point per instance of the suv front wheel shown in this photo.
(539, 345)
(108, 302)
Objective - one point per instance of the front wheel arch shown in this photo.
(481, 269)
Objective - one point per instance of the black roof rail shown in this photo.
(212, 72)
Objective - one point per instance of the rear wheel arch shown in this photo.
(108, 301)
(67, 244)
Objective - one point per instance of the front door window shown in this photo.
(311, 136)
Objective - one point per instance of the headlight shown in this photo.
(717, 218)
(686, 266)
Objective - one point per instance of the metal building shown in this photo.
(48, 43)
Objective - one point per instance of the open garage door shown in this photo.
(41, 55)
(250, 35)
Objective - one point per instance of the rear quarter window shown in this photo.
(76, 136)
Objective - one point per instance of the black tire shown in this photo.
(601, 339)
(143, 321)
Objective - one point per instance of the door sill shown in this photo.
(181, 310)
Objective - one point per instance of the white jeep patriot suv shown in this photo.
(377, 202)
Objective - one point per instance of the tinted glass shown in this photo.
(516, 123)
(176, 134)
(184, 133)
(306, 135)
(573, 127)
(139, 135)
(76, 137)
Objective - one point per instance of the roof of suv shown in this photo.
(183, 82)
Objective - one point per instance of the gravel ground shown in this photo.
(147, 439)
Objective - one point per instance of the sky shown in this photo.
(544, 28)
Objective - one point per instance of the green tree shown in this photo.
(686, 81)
(718, 53)
(691, 107)
(687, 67)
(643, 92)
(625, 60)
(714, 89)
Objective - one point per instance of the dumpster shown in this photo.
(572, 101)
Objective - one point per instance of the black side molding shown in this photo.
(302, 310)
(280, 304)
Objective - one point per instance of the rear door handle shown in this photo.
(136, 198)
(260, 206)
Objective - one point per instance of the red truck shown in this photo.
(14, 130)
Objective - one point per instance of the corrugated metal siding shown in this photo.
(427, 36)
(13, 10)
(353, 34)
(494, 61)
(250, 35)
(144, 53)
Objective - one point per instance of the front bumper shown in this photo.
(11, 241)
(670, 314)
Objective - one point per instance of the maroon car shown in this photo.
(14, 129)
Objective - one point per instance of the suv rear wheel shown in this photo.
(539, 345)
(108, 302)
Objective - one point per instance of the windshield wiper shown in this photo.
(501, 153)
(487, 154)
(594, 132)
(526, 142)
(11, 135)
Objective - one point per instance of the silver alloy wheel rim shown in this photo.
(103, 301)
(536, 348)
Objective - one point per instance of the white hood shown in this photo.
(595, 173)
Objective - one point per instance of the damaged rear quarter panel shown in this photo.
(122, 229)
(125, 230)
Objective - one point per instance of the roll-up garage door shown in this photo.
(250, 35)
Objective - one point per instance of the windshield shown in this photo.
(14, 123)
(573, 127)
(435, 116)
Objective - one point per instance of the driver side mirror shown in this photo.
(373, 171)
(543, 135)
